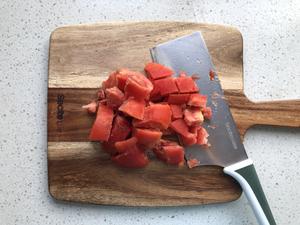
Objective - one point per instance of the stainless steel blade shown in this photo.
(190, 54)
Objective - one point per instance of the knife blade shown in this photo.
(190, 54)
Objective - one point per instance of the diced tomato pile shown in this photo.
(135, 114)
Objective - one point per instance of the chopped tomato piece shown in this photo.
(189, 139)
(110, 81)
(122, 77)
(197, 100)
(171, 154)
(155, 94)
(109, 147)
(180, 127)
(176, 112)
(103, 124)
(130, 155)
(138, 86)
(121, 81)
(166, 86)
(120, 130)
(135, 158)
(91, 107)
(193, 117)
(134, 108)
(178, 98)
(146, 137)
(156, 116)
(126, 145)
(174, 154)
(194, 129)
(157, 71)
(114, 96)
(202, 136)
(193, 163)
(186, 137)
(101, 94)
(211, 75)
(207, 113)
(186, 85)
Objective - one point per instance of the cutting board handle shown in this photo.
(281, 113)
(244, 172)
(247, 113)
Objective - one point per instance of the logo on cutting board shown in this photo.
(60, 111)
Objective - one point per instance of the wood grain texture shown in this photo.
(77, 123)
(80, 57)
(276, 113)
(80, 171)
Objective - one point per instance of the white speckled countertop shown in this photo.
(271, 31)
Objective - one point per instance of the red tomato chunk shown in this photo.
(202, 136)
(178, 98)
(180, 127)
(103, 124)
(120, 130)
(211, 75)
(122, 76)
(156, 116)
(171, 154)
(176, 112)
(186, 85)
(188, 139)
(134, 108)
(109, 147)
(157, 71)
(101, 94)
(147, 138)
(197, 100)
(207, 113)
(135, 158)
(193, 117)
(166, 86)
(126, 145)
(110, 82)
(114, 96)
(155, 94)
(138, 86)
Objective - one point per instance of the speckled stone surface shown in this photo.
(271, 31)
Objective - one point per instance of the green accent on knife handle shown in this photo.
(248, 179)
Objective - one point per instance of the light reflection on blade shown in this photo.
(190, 54)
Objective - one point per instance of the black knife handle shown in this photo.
(244, 172)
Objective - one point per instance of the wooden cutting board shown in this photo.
(80, 58)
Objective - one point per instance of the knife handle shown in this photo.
(244, 172)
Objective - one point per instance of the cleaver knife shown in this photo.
(190, 54)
